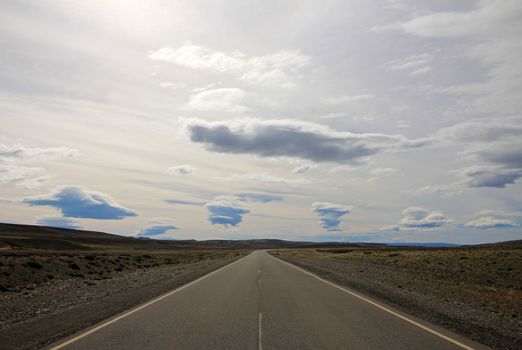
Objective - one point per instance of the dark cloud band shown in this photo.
(292, 138)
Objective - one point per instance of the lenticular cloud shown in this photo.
(79, 202)
(292, 138)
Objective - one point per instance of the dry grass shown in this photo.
(21, 271)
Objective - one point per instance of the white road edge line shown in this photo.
(427, 329)
(260, 335)
(138, 308)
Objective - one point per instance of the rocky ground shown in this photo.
(474, 291)
(46, 296)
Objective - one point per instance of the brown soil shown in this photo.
(475, 291)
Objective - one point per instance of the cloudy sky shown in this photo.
(358, 120)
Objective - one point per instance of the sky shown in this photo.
(352, 120)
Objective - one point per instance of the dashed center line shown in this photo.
(260, 335)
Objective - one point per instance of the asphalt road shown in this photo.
(260, 302)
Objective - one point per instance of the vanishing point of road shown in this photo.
(261, 302)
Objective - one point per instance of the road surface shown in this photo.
(260, 302)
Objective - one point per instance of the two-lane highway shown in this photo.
(260, 302)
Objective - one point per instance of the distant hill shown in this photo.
(503, 243)
(421, 244)
(31, 237)
(13, 236)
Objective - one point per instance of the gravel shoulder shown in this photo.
(46, 297)
(475, 292)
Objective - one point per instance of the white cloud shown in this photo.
(403, 124)
(390, 228)
(398, 4)
(487, 219)
(303, 168)
(259, 197)
(485, 212)
(275, 77)
(421, 71)
(344, 99)
(180, 170)
(483, 130)
(378, 173)
(365, 118)
(264, 178)
(276, 69)
(21, 176)
(199, 57)
(33, 182)
(494, 28)
(207, 87)
(487, 16)
(400, 108)
(335, 115)
(493, 145)
(411, 63)
(223, 99)
(18, 152)
(449, 190)
(283, 59)
(384, 171)
(416, 218)
(160, 221)
(171, 85)
(29, 177)
(344, 168)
